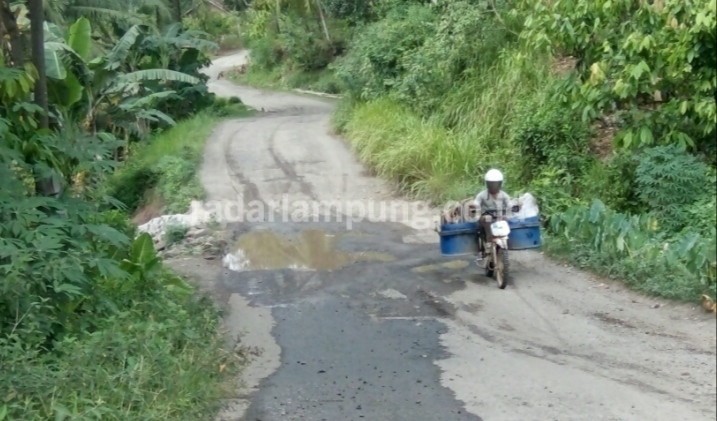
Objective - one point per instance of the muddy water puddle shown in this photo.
(308, 250)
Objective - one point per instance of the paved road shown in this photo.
(372, 323)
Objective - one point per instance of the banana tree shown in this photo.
(302, 7)
(99, 91)
(109, 14)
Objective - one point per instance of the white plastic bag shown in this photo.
(528, 207)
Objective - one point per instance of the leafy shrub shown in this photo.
(50, 264)
(376, 61)
(304, 48)
(91, 324)
(179, 184)
(652, 64)
(266, 53)
(548, 135)
(669, 180)
(154, 352)
(613, 182)
(631, 247)
(292, 40)
(554, 189)
(701, 216)
(130, 184)
(354, 11)
(223, 28)
(175, 234)
(554, 153)
(467, 41)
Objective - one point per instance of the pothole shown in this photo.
(309, 250)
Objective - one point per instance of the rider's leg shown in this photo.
(480, 239)
(484, 234)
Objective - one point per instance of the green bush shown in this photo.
(266, 53)
(92, 325)
(549, 135)
(669, 180)
(356, 12)
(613, 182)
(292, 41)
(304, 47)
(375, 63)
(701, 216)
(179, 184)
(152, 352)
(653, 65)
(467, 40)
(175, 234)
(633, 249)
(223, 28)
(130, 185)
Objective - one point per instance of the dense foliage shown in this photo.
(575, 100)
(92, 325)
(651, 64)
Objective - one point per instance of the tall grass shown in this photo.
(188, 135)
(444, 156)
(422, 157)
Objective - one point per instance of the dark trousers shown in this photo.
(483, 233)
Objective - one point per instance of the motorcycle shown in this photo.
(495, 261)
(495, 251)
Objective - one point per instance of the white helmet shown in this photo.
(494, 181)
(494, 175)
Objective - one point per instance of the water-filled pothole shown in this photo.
(309, 250)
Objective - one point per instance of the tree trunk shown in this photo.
(47, 186)
(178, 11)
(8, 27)
(323, 21)
(277, 11)
(37, 20)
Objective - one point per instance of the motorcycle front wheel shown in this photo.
(489, 265)
(501, 268)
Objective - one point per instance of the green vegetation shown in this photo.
(92, 324)
(221, 26)
(163, 173)
(292, 42)
(576, 101)
(175, 234)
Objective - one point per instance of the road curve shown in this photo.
(372, 323)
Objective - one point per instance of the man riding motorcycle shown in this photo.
(494, 200)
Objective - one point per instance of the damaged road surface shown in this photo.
(372, 323)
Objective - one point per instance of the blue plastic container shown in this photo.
(524, 233)
(458, 239)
